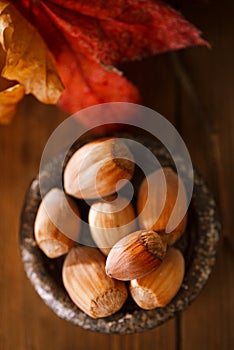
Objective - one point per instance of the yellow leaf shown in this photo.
(27, 60)
(9, 98)
(11, 93)
(3, 5)
(6, 26)
(26, 64)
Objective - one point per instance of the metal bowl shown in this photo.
(198, 244)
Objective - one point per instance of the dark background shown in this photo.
(194, 90)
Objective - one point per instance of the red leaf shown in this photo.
(86, 37)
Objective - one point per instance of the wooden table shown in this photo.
(194, 90)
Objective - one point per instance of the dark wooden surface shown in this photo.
(194, 90)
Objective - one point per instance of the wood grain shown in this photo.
(209, 322)
(206, 124)
(212, 74)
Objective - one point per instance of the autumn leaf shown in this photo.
(26, 64)
(9, 98)
(87, 38)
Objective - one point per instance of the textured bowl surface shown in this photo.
(199, 246)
